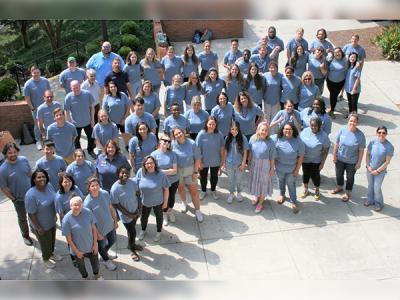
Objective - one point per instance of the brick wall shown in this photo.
(13, 115)
(183, 30)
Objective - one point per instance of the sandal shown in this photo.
(366, 204)
(135, 256)
(295, 208)
(304, 194)
(254, 201)
(317, 195)
(377, 209)
(137, 247)
(336, 191)
(346, 197)
(281, 199)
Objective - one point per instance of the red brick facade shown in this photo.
(13, 115)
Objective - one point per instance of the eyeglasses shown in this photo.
(166, 141)
(49, 97)
(382, 132)
(308, 78)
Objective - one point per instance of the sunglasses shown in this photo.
(166, 141)
(381, 132)
(307, 78)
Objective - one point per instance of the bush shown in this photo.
(3, 70)
(8, 86)
(92, 48)
(389, 41)
(54, 67)
(123, 52)
(80, 59)
(130, 27)
(116, 43)
(131, 41)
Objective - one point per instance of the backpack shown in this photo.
(27, 134)
(207, 35)
(197, 37)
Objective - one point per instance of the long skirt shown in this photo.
(260, 183)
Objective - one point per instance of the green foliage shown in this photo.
(92, 48)
(8, 86)
(123, 51)
(53, 67)
(131, 41)
(389, 41)
(3, 70)
(130, 27)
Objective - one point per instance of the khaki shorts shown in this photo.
(185, 175)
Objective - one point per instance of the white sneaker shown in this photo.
(214, 195)
(141, 234)
(101, 278)
(202, 195)
(239, 197)
(157, 237)
(112, 254)
(110, 265)
(49, 264)
(171, 216)
(230, 198)
(56, 257)
(39, 145)
(183, 207)
(199, 216)
(165, 219)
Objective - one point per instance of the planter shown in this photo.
(12, 115)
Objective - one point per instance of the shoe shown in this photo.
(332, 115)
(230, 198)
(202, 195)
(171, 216)
(336, 191)
(317, 195)
(39, 145)
(259, 208)
(75, 264)
(141, 235)
(239, 197)
(346, 197)
(281, 199)
(112, 255)
(157, 237)
(254, 201)
(214, 195)
(340, 98)
(378, 209)
(366, 204)
(92, 154)
(304, 194)
(135, 256)
(199, 216)
(110, 265)
(98, 277)
(137, 247)
(295, 208)
(49, 264)
(28, 241)
(165, 219)
(56, 257)
(183, 207)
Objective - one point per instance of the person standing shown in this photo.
(172, 65)
(152, 102)
(152, 69)
(295, 41)
(120, 79)
(290, 88)
(15, 174)
(275, 44)
(309, 91)
(71, 73)
(139, 115)
(212, 87)
(352, 84)
(81, 169)
(104, 131)
(273, 90)
(134, 71)
(208, 59)
(321, 41)
(196, 117)
(92, 86)
(223, 112)
(190, 62)
(175, 119)
(45, 112)
(233, 54)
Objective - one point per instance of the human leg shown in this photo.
(214, 178)
(203, 178)
(22, 219)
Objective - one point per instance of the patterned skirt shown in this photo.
(260, 183)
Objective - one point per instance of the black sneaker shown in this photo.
(28, 241)
(92, 154)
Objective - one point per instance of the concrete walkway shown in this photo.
(328, 239)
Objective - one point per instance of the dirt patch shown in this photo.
(367, 35)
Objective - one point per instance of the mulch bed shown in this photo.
(342, 37)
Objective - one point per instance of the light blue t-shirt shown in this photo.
(45, 113)
(337, 70)
(243, 66)
(102, 65)
(62, 200)
(134, 119)
(314, 66)
(140, 151)
(262, 62)
(378, 152)
(301, 64)
(174, 95)
(348, 48)
(170, 122)
(349, 144)
(135, 73)
(189, 67)
(152, 186)
(308, 93)
(166, 160)
(80, 229)
(208, 61)
(210, 145)
(42, 205)
(81, 174)
(63, 137)
(107, 169)
(273, 88)
(290, 89)
(288, 151)
(190, 92)
(306, 116)
(100, 207)
(262, 149)
(53, 167)
(105, 132)
(224, 116)
(67, 76)
(151, 72)
(314, 144)
(125, 194)
(79, 107)
(230, 57)
(351, 75)
(186, 153)
(116, 107)
(324, 44)
(287, 118)
(233, 88)
(34, 89)
(272, 43)
(171, 67)
(196, 120)
(247, 117)
(151, 103)
(293, 43)
(16, 177)
(234, 157)
(256, 94)
(211, 90)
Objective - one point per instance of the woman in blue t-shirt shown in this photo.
(379, 153)
(352, 84)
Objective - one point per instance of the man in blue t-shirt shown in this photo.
(45, 112)
(71, 73)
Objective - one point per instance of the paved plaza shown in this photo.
(327, 239)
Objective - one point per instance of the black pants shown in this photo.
(131, 230)
(94, 262)
(47, 241)
(311, 170)
(144, 219)
(96, 111)
(88, 131)
(22, 219)
(121, 128)
(157, 128)
(350, 169)
(171, 198)
(353, 101)
(193, 136)
(334, 90)
(202, 75)
(213, 178)
(319, 82)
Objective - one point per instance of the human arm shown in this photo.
(171, 171)
(130, 90)
(360, 156)
(272, 167)
(131, 159)
(95, 234)
(355, 86)
(6, 191)
(91, 108)
(124, 210)
(36, 223)
(113, 215)
(71, 243)
(196, 169)
(324, 156)
(334, 152)
(165, 197)
(298, 165)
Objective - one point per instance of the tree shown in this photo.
(21, 27)
(104, 30)
(53, 29)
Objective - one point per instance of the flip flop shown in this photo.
(135, 256)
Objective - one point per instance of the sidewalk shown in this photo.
(328, 239)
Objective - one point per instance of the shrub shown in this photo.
(8, 86)
(130, 27)
(92, 48)
(54, 67)
(131, 41)
(80, 59)
(115, 43)
(389, 41)
(123, 52)
(3, 70)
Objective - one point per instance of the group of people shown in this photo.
(254, 118)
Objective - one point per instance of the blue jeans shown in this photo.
(106, 243)
(287, 179)
(375, 196)
(235, 178)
